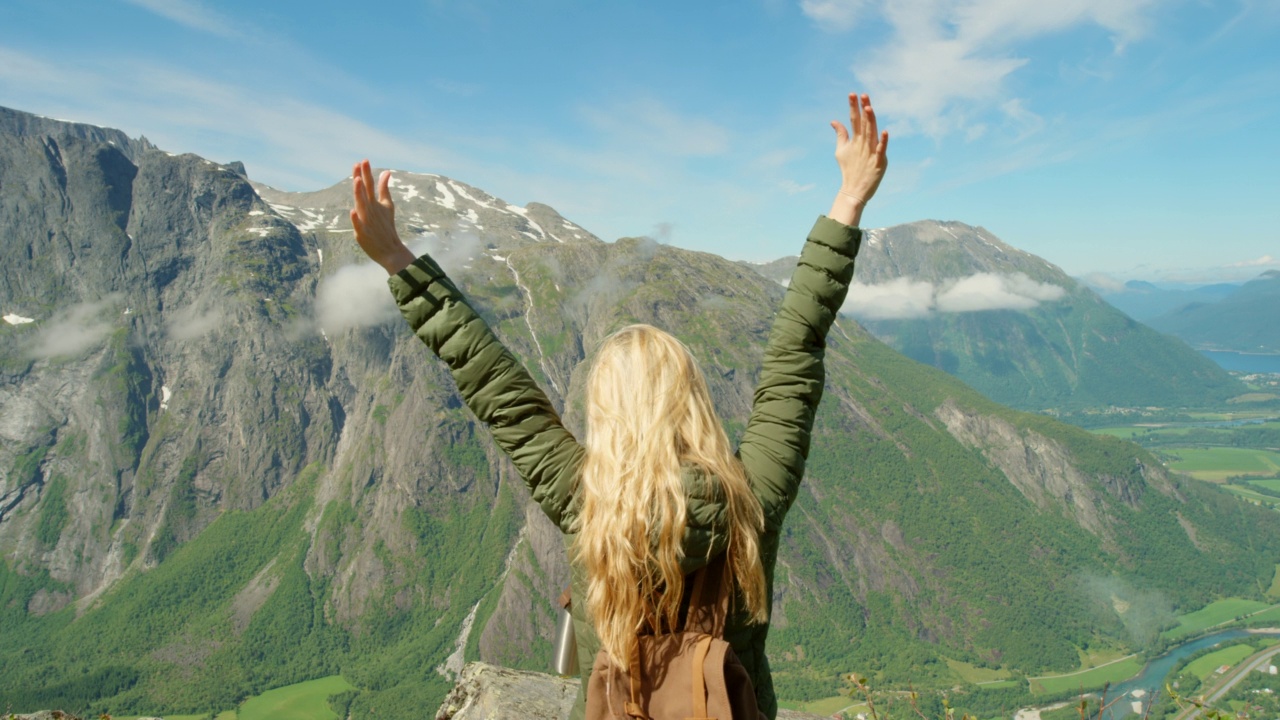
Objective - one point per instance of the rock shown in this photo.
(488, 692)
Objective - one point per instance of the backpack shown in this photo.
(688, 674)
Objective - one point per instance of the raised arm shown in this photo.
(490, 379)
(775, 444)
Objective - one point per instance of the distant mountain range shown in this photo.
(1016, 327)
(227, 466)
(1143, 301)
(1246, 320)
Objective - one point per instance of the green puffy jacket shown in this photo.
(774, 445)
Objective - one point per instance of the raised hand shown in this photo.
(374, 220)
(862, 159)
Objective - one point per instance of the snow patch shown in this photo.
(472, 216)
(16, 319)
(446, 197)
(462, 191)
(320, 255)
(256, 212)
(261, 231)
(165, 394)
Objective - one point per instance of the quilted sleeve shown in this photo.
(494, 385)
(775, 444)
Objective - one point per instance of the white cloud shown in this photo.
(648, 125)
(903, 298)
(1104, 283)
(296, 144)
(791, 187)
(897, 299)
(946, 62)
(989, 291)
(833, 14)
(356, 295)
(76, 329)
(189, 323)
(191, 14)
(1264, 261)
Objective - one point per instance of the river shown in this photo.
(1152, 678)
(1244, 362)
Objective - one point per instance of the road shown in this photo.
(1229, 681)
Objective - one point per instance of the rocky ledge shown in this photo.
(488, 692)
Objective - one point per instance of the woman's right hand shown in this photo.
(862, 160)
(374, 220)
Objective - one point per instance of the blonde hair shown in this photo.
(649, 414)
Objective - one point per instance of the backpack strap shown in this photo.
(699, 681)
(633, 708)
(709, 601)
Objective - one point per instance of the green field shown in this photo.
(974, 674)
(1205, 666)
(1216, 464)
(826, 706)
(1270, 484)
(304, 701)
(1097, 677)
(1213, 614)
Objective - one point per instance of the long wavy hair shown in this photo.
(649, 415)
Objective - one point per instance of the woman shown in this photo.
(655, 492)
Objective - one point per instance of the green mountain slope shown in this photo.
(1017, 328)
(1248, 320)
(255, 476)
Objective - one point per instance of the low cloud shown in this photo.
(903, 298)
(76, 329)
(356, 295)
(1104, 283)
(897, 299)
(190, 323)
(988, 291)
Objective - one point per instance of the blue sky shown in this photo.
(1139, 138)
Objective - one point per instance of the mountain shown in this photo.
(1247, 320)
(227, 466)
(1015, 327)
(1144, 301)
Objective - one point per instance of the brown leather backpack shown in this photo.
(684, 675)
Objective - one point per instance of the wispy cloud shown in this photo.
(1264, 261)
(76, 329)
(194, 15)
(650, 125)
(903, 297)
(946, 63)
(297, 144)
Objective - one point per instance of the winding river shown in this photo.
(1150, 682)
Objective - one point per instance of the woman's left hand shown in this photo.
(374, 220)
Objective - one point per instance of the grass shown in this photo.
(974, 674)
(1205, 666)
(303, 701)
(1272, 615)
(1219, 463)
(1274, 590)
(1269, 484)
(1097, 677)
(826, 706)
(1214, 613)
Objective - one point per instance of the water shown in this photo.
(1244, 362)
(1153, 676)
